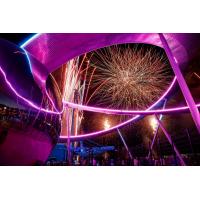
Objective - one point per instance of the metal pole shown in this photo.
(124, 144)
(156, 132)
(68, 138)
(170, 141)
(182, 83)
(174, 153)
(160, 151)
(191, 147)
(189, 138)
(150, 153)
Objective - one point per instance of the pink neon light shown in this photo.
(107, 111)
(130, 112)
(23, 98)
(101, 110)
(96, 109)
(127, 112)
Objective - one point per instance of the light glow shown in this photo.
(106, 124)
(95, 109)
(30, 40)
(153, 123)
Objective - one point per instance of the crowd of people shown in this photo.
(141, 161)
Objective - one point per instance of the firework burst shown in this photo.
(129, 77)
(121, 76)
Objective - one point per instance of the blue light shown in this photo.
(29, 40)
(26, 43)
(29, 62)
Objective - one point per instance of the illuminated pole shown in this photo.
(156, 132)
(68, 136)
(191, 146)
(170, 141)
(107, 126)
(129, 153)
(74, 122)
(182, 83)
(189, 138)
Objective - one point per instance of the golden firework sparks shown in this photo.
(129, 78)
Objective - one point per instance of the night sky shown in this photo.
(139, 134)
(17, 38)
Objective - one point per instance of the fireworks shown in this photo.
(121, 76)
(69, 87)
(129, 77)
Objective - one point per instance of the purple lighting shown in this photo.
(182, 83)
(30, 39)
(79, 137)
(24, 99)
(128, 38)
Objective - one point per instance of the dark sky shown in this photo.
(176, 124)
(17, 38)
